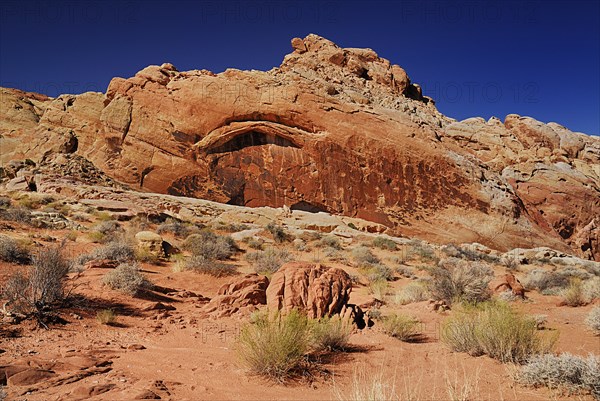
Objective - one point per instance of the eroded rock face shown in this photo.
(332, 129)
(318, 290)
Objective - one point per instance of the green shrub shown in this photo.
(330, 334)
(210, 245)
(593, 320)
(404, 328)
(201, 264)
(574, 373)
(456, 280)
(275, 347)
(385, 243)
(497, 330)
(127, 278)
(12, 251)
(268, 261)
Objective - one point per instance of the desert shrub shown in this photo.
(255, 243)
(106, 316)
(278, 232)
(16, 214)
(268, 261)
(540, 321)
(210, 245)
(119, 251)
(573, 294)
(377, 272)
(412, 292)
(275, 347)
(497, 330)
(591, 289)
(406, 271)
(107, 227)
(363, 256)
(127, 278)
(330, 241)
(457, 280)
(330, 334)
(4, 202)
(379, 289)
(574, 373)
(424, 251)
(175, 227)
(12, 251)
(42, 287)
(384, 243)
(300, 245)
(545, 281)
(402, 327)
(202, 264)
(593, 320)
(334, 254)
(231, 227)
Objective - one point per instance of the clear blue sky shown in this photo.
(476, 58)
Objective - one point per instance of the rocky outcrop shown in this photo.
(238, 294)
(332, 129)
(509, 283)
(318, 290)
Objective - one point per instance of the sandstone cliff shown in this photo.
(331, 129)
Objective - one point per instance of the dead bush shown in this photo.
(268, 261)
(41, 288)
(210, 245)
(593, 320)
(212, 267)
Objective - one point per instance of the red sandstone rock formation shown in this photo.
(332, 129)
(318, 290)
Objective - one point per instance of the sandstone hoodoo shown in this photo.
(332, 129)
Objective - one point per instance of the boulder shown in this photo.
(240, 293)
(509, 283)
(152, 243)
(318, 290)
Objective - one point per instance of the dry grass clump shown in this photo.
(12, 251)
(210, 245)
(41, 288)
(593, 320)
(106, 316)
(127, 278)
(367, 386)
(330, 334)
(268, 261)
(591, 289)
(497, 330)
(412, 292)
(455, 280)
(379, 289)
(573, 373)
(212, 267)
(275, 347)
(402, 327)
(573, 294)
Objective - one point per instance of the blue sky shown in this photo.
(476, 58)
